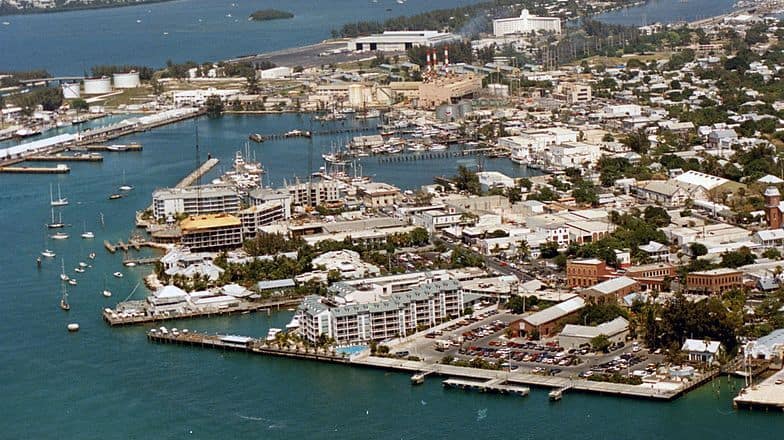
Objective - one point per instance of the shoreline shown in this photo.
(18, 12)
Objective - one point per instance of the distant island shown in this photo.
(270, 14)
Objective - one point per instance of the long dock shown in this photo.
(474, 378)
(191, 178)
(66, 158)
(126, 148)
(114, 318)
(59, 169)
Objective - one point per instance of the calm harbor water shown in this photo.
(70, 43)
(111, 383)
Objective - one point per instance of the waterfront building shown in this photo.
(400, 41)
(255, 216)
(354, 315)
(314, 193)
(194, 200)
(576, 336)
(211, 232)
(198, 97)
(702, 351)
(714, 281)
(526, 23)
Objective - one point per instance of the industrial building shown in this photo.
(212, 199)
(211, 232)
(448, 90)
(526, 23)
(400, 41)
(359, 314)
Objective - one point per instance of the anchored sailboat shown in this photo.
(61, 201)
(64, 300)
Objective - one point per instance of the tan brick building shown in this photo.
(714, 281)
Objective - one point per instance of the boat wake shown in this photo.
(271, 423)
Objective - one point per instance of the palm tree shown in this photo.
(523, 250)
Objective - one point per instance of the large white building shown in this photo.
(400, 41)
(194, 200)
(526, 23)
(359, 314)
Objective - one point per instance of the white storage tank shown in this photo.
(71, 90)
(128, 80)
(97, 86)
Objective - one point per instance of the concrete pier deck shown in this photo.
(767, 395)
(114, 318)
(491, 386)
(59, 169)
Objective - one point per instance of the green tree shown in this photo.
(600, 342)
(467, 180)
(697, 250)
(79, 104)
(214, 106)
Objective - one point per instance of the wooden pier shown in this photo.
(309, 134)
(241, 343)
(409, 157)
(140, 261)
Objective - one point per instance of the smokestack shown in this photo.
(435, 60)
(428, 60)
(446, 57)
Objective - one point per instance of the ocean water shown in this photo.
(70, 43)
(106, 383)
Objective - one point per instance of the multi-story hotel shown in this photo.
(526, 23)
(211, 232)
(359, 314)
(195, 200)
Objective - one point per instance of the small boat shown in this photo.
(38, 262)
(117, 147)
(73, 327)
(107, 293)
(556, 394)
(64, 300)
(129, 263)
(79, 270)
(272, 333)
(60, 201)
(115, 196)
(118, 274)
(72, 281)
(256, 137)
(91, 255)
(48, 253)
(63, 276)
(60, 236)
(82, 264)
(124, 186)
(418, 379)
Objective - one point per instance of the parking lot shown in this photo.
(484, 338)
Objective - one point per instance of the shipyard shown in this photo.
(489, 207)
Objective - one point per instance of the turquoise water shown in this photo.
(103, 383)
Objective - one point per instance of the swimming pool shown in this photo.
(352, 350)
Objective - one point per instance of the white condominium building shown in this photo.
(194, 200)
(526, 23)
(364, 313)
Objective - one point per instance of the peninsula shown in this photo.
(14, 7)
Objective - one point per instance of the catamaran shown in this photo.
(61, 201)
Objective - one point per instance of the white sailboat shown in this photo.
(48, 253)
(60, 201)
(63, 276)
(87, 234)
(59, 236)
(64, 300)
(106, 292)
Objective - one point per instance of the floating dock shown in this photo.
(491, 386)
(66, 158)
(59, 169)
(766, 395)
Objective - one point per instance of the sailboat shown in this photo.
(48, 253)
(87, 234)
(59, 236)
(124, 186)
(63, 276)
(61, 201)
(64, 300)
(56, 224)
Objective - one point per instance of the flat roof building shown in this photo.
(448, 90)
(211, 232)
(194, 200)
(400, 41)
(714, 281)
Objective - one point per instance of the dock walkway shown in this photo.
(114, 318)
(765, 395)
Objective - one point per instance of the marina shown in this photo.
(135, 316)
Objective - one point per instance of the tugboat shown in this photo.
(64, 300)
